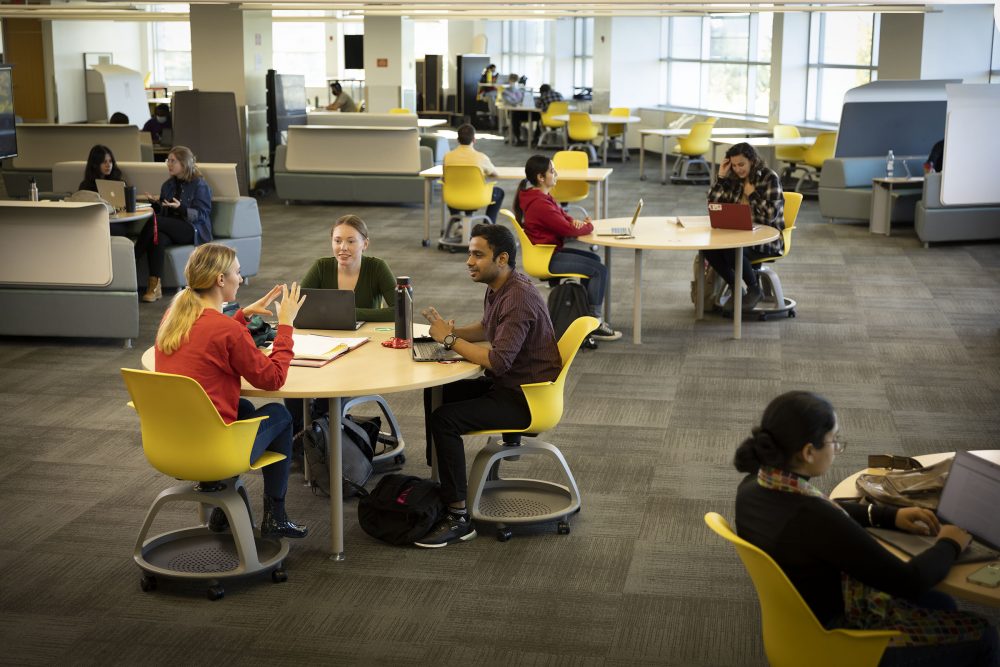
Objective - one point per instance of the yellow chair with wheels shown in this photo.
(582, 132)
(814, 156)
(536, 257)
(553, 128)
(463, 188)
(401, 110)
(691, 151)
(567, 193)
(515, 501)
(616, 131)
(792, 156)
(184, 437)
(792, 635)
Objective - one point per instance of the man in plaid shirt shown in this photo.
(745, 179)
(546, 96)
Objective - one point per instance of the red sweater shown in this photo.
(544, 220)
(219, 350)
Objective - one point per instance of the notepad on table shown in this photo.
(315, 351)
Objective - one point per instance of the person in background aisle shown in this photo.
(101, 164)
(513, 96)
(545, 222)
(745, 179)
(935, 161)
(465, 154)
(118, 118)
(341, 100)
(158, 123)
(546, 96)
(195, 339)
(848, 579)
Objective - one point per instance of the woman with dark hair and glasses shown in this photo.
(745, 179)
(845, 576)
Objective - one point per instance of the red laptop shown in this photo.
(730, 216)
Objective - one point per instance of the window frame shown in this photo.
(819, 65)
(582, 58)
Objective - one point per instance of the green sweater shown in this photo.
(375, 285)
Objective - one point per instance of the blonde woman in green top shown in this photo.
(370, 277)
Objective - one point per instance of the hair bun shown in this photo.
(767, 449)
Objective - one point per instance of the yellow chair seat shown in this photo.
(567, 192)
(793, 201)
(822, 150)
(580, 128)
(536, 257)
(555, 109)
(696, 143)
(464, 188)
(792, 154)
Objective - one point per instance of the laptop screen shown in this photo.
(971, 497)
(635, 216)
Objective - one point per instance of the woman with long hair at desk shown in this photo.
(101, 164)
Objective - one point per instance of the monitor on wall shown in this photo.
(354, 51)
(8, 136)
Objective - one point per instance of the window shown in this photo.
(583, 53)
(299, 48)
(171, 48)
(717, 63)
(522, 50)
(995, 66)
(843, 54)
(431, 37)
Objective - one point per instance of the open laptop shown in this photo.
(970, 499)
(327, 309)
(730, 216)
(425, 348)
(112, 192)
(625, 231)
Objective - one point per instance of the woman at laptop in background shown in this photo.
(545, 222)
(101, 164)
(195, 339)
(841, 571)
(745, 179)
(183, 216)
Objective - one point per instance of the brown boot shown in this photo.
(153, 290)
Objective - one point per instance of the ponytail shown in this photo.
(790, 421)
(206, 263)
(536, 166)
(518, 211)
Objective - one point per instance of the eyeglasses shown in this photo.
(839, 445)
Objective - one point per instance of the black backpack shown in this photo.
(401, 509)
(357, 450)
(567, 302)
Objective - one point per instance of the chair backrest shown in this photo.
(400, 110)
(570, 191)
(581, 128)
(793, 201)
(465, 188)
(618, 129)
(822, 150)
(557, 108)
(183, 435)
(792, 635)
(787, 153)
(697, 140)
(534, 258)
(545, 399)
(711, 119)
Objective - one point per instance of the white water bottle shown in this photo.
(889, 159)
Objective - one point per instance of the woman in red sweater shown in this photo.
(195, 339)
(545, 222)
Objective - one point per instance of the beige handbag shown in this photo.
(906, 488)
(89, 197)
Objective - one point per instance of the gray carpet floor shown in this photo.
(903, 340)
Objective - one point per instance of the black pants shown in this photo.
(724, 261)
(171, 231)
(468, 405)
(491, 210)
(516, 119)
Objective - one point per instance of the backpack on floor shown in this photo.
(567, 302)
(401, 509)
(357, 450)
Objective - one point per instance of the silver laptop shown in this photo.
(328, 309)
(970, 499)
(625, 231)
(112, 192)
(425, 348)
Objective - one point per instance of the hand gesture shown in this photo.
(172, 203)
(441, 328)
(289, 305)
(724, 168)
(431, 314)
(260, 307)
(917, 520)
(748, 188)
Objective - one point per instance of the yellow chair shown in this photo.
(711, 119)
(814, 156)
(691, 151)
(463, 188)
(536, 257)
(200, 448)
(569, 192)
(528, 501)
(582, 132)
(553, 128)
(616, 131)
(792, 635)
(792, 156)
(401, 110)
(775, 302)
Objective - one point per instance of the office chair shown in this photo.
(553, 128)
(814, 156)
(513, 501)
(569, 192)
(792, 635)
(792, 156)
(582, 132)
(200, 448)
(463, 188)
(691, 151)
(536, 257)
(401, 111)
(616, 132)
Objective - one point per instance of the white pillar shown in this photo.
(390, 71)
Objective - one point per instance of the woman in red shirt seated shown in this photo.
(546, 223)
(195, 339)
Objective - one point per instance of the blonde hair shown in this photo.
(203, 267)
(184, 155)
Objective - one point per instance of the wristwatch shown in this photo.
(449, 341)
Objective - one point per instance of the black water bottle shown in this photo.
(404, 307)
(130, 198)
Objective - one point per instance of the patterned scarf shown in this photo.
(867, 608)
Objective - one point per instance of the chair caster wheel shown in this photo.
(147, 583)
(563, 528)
(791, 314)
(504, 534)
(425, 243)
(452, 249)
(215, 593)
(279, 576)
(400, 459)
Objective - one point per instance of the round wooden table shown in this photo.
(369, 369)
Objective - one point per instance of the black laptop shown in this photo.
(327, 309)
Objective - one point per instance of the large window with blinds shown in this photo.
(522, 50)
(171, 42)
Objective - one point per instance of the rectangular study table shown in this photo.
(671, 133)
(664, 233)
(597, 177)
(605, 119)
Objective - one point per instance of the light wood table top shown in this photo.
(602, 118)
(955, 583)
